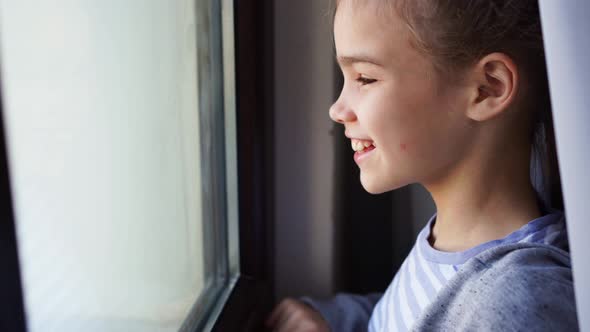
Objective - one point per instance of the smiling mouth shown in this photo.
(361, 145)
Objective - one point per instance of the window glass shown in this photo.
(105, 145)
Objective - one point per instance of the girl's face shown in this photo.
(393, 99)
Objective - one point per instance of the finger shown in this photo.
(273, 318)
(289, 317)
(276, 314)
(292, 323)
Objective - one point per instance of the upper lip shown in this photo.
(358, 138)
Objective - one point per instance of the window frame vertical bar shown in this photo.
(210, 61)
(252, 297)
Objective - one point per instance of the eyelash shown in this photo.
(364, 80)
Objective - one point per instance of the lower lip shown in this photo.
(362, 155)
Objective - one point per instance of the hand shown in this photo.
(295, 316)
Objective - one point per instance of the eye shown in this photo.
(365, 80)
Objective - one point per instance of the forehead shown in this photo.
(369, 28)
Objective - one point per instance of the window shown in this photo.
(121, 140)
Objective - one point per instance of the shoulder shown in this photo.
(524, 259)
(516, 287)
(526, 265)
(528, 286)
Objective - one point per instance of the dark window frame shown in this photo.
(252, 298)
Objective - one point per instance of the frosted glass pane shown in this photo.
(103, 138)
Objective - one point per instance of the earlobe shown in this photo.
(495, 82)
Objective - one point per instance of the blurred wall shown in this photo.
(304, 90)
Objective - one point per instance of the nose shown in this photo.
(340, 112)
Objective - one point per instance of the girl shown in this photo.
(453, 94)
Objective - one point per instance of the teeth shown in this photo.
(358, 145)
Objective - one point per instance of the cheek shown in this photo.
(401, 128)
(407, 120)
(411, 136)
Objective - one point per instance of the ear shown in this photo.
(494, 84)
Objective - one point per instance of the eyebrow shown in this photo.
(359, 58)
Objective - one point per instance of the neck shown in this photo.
(482, 199)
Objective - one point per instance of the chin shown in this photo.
(375, 185)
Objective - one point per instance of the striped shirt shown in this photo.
(426, 270)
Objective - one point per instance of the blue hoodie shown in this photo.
(510, 287)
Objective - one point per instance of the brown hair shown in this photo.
(457, 33)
